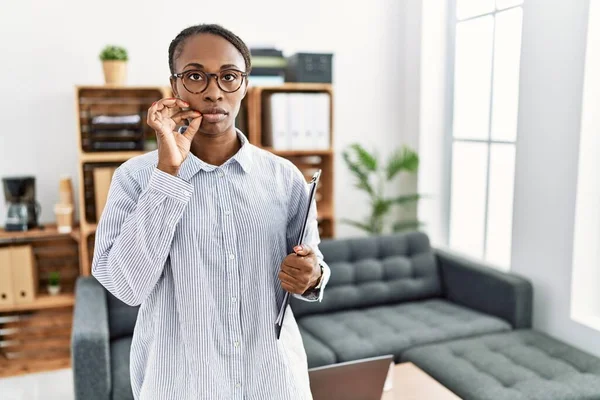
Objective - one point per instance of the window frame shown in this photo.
(450, 140)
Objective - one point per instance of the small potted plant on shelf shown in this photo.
(54, 283)
(114, 62)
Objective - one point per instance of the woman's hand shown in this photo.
(173, 147)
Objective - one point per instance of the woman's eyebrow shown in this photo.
(200, 66)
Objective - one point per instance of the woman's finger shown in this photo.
(170, 103)
(181, 115)
(193, 128)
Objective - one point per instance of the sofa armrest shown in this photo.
(485, 289)
(90, 342)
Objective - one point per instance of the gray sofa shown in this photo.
(465, 324)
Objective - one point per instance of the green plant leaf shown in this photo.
(366, 159)
(410, 198)
(404, 159)
(363, 177)
(113, 53)
(401, 226)
(54, 278)
(381, 207)
(360, 225)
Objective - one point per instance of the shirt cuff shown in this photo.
(317, 294)
(171, 186)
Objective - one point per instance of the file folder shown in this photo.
(6, 281)
(311, 197)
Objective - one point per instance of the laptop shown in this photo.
(353, 380)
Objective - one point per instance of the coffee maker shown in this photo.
(22, 209)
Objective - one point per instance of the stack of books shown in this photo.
(268, 66)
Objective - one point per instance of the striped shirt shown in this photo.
(200, 253)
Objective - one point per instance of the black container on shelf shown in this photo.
(309, 67)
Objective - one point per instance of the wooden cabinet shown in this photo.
(35, 327)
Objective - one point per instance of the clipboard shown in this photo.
(286, 299)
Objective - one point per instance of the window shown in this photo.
(485, 94)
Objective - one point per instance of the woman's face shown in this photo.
(211, 54)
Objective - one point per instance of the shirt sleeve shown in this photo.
(298, 204)
(135, 232)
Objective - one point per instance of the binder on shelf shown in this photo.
(6, 281)
(102, 179)
(321, 109)
(276, 129)
(297, 121)
(24, 274)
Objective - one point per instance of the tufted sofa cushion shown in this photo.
(520, 365)
(373, 271)
(393, 329)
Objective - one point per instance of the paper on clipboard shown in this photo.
(311, 196)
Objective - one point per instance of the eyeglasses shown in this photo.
(196, 81)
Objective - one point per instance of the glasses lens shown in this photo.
(195, 81)
(230, 80)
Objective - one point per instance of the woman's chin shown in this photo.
(214, 129)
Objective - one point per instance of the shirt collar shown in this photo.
(192, 164)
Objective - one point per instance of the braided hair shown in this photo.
(176, 46)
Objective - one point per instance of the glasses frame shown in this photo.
(209, 76)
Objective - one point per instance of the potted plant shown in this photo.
(372, 175)
(54, 283)
(114, 62)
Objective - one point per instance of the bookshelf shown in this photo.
(306, 160)
(35, 332)
(99, 154)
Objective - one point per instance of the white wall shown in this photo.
(554, 43)
(48, 47)
(434, 81)
(585, 305)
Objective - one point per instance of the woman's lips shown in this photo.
(213, 118)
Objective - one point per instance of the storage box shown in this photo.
(309, 67)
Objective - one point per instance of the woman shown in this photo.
(200, 234)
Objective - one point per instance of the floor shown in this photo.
(55, 385)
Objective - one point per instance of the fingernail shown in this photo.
(297, 248)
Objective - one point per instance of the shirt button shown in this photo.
(233, 299)
(236, 344)
(227, 212)
(237, 385)
(220, 173)
(231, 256)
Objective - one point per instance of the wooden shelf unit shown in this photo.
(93, 101)
(306, 160)
(35, 336)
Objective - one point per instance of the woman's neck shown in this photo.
(215, 150)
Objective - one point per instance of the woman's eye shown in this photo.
(195, 76)
(229, 77)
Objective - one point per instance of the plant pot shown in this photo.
(115, 72)
(53, 290)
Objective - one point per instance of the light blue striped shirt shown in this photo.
(201, 254)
